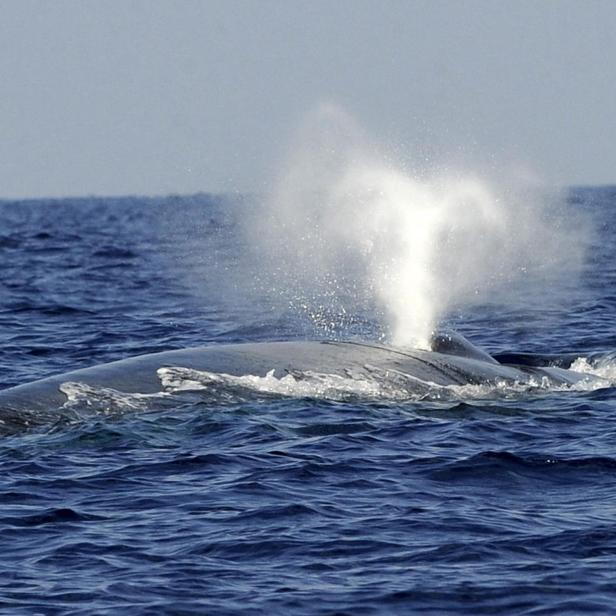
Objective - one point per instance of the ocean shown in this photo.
(289, 503)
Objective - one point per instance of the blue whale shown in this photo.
(452, 360)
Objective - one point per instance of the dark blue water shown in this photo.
(285, 505)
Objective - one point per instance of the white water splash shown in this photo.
(534, 385)
(348, 227)
(374, 384)
(603, 368)
(300, 385)
(104, 399)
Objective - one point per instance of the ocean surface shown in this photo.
(262, 502)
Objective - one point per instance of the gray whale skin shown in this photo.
(452, 361)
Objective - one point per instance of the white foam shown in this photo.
(534, 385)
(373, 384)
(104, 399)
(604, 369)
(300, 385)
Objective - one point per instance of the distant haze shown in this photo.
(154, 97)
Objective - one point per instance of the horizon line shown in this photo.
(216, 194)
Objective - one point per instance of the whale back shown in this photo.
(453, 362)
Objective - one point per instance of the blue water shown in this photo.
(284, 505)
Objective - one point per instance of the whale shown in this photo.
(450, 361)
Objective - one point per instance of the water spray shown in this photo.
(346, 227)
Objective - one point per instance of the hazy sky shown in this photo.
(155, 96)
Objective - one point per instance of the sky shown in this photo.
(112, 97)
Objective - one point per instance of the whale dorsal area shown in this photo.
(452, 343)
